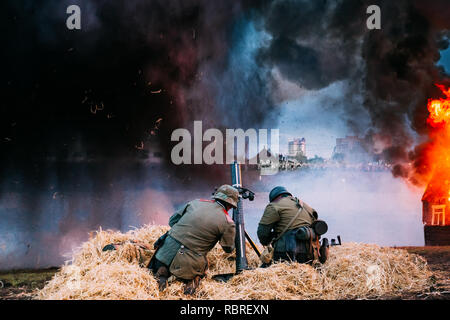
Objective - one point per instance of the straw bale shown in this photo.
(353, 271)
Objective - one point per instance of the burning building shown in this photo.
(436, 211)
(436, 199)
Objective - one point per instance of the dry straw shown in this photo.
(353, 271)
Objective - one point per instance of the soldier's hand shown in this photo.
(228, 249)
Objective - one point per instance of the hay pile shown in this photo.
(353, 271)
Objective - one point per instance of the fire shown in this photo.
(438, 155)
(439, 109)
(436, 199)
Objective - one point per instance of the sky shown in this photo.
(315, 115)
(445, 60)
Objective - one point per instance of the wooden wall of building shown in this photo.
(437, 235)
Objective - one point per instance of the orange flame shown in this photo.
(439, 109)
(438, 155)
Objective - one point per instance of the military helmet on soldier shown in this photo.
(277, 191)
(227, 194)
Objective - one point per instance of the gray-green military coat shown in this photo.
(277, 216)
(195, 230)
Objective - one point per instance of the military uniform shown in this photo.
(195, 230)
(276, 217)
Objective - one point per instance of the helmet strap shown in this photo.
(222, 204)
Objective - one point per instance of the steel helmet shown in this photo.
(278, 191)
(227, 194)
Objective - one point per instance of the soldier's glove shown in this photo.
(228, 249)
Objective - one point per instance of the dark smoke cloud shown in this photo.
(306, 35)
(316, 43)
(401, 73)
(129, 50)
(125, 53)
(76, 106)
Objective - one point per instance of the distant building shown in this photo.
(297, 147)
(347, 145)
(350, 149)
(268, 162)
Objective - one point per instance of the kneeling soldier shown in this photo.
(293, 228)
(195, 230)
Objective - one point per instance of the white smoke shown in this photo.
(369, 207)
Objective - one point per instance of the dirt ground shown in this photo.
(439, 261)
(20, 284)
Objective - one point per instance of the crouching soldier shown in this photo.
(195, 230)
(292, 228)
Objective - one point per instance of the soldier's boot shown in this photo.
(324, 249)
(192, 286)
(162, 275)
